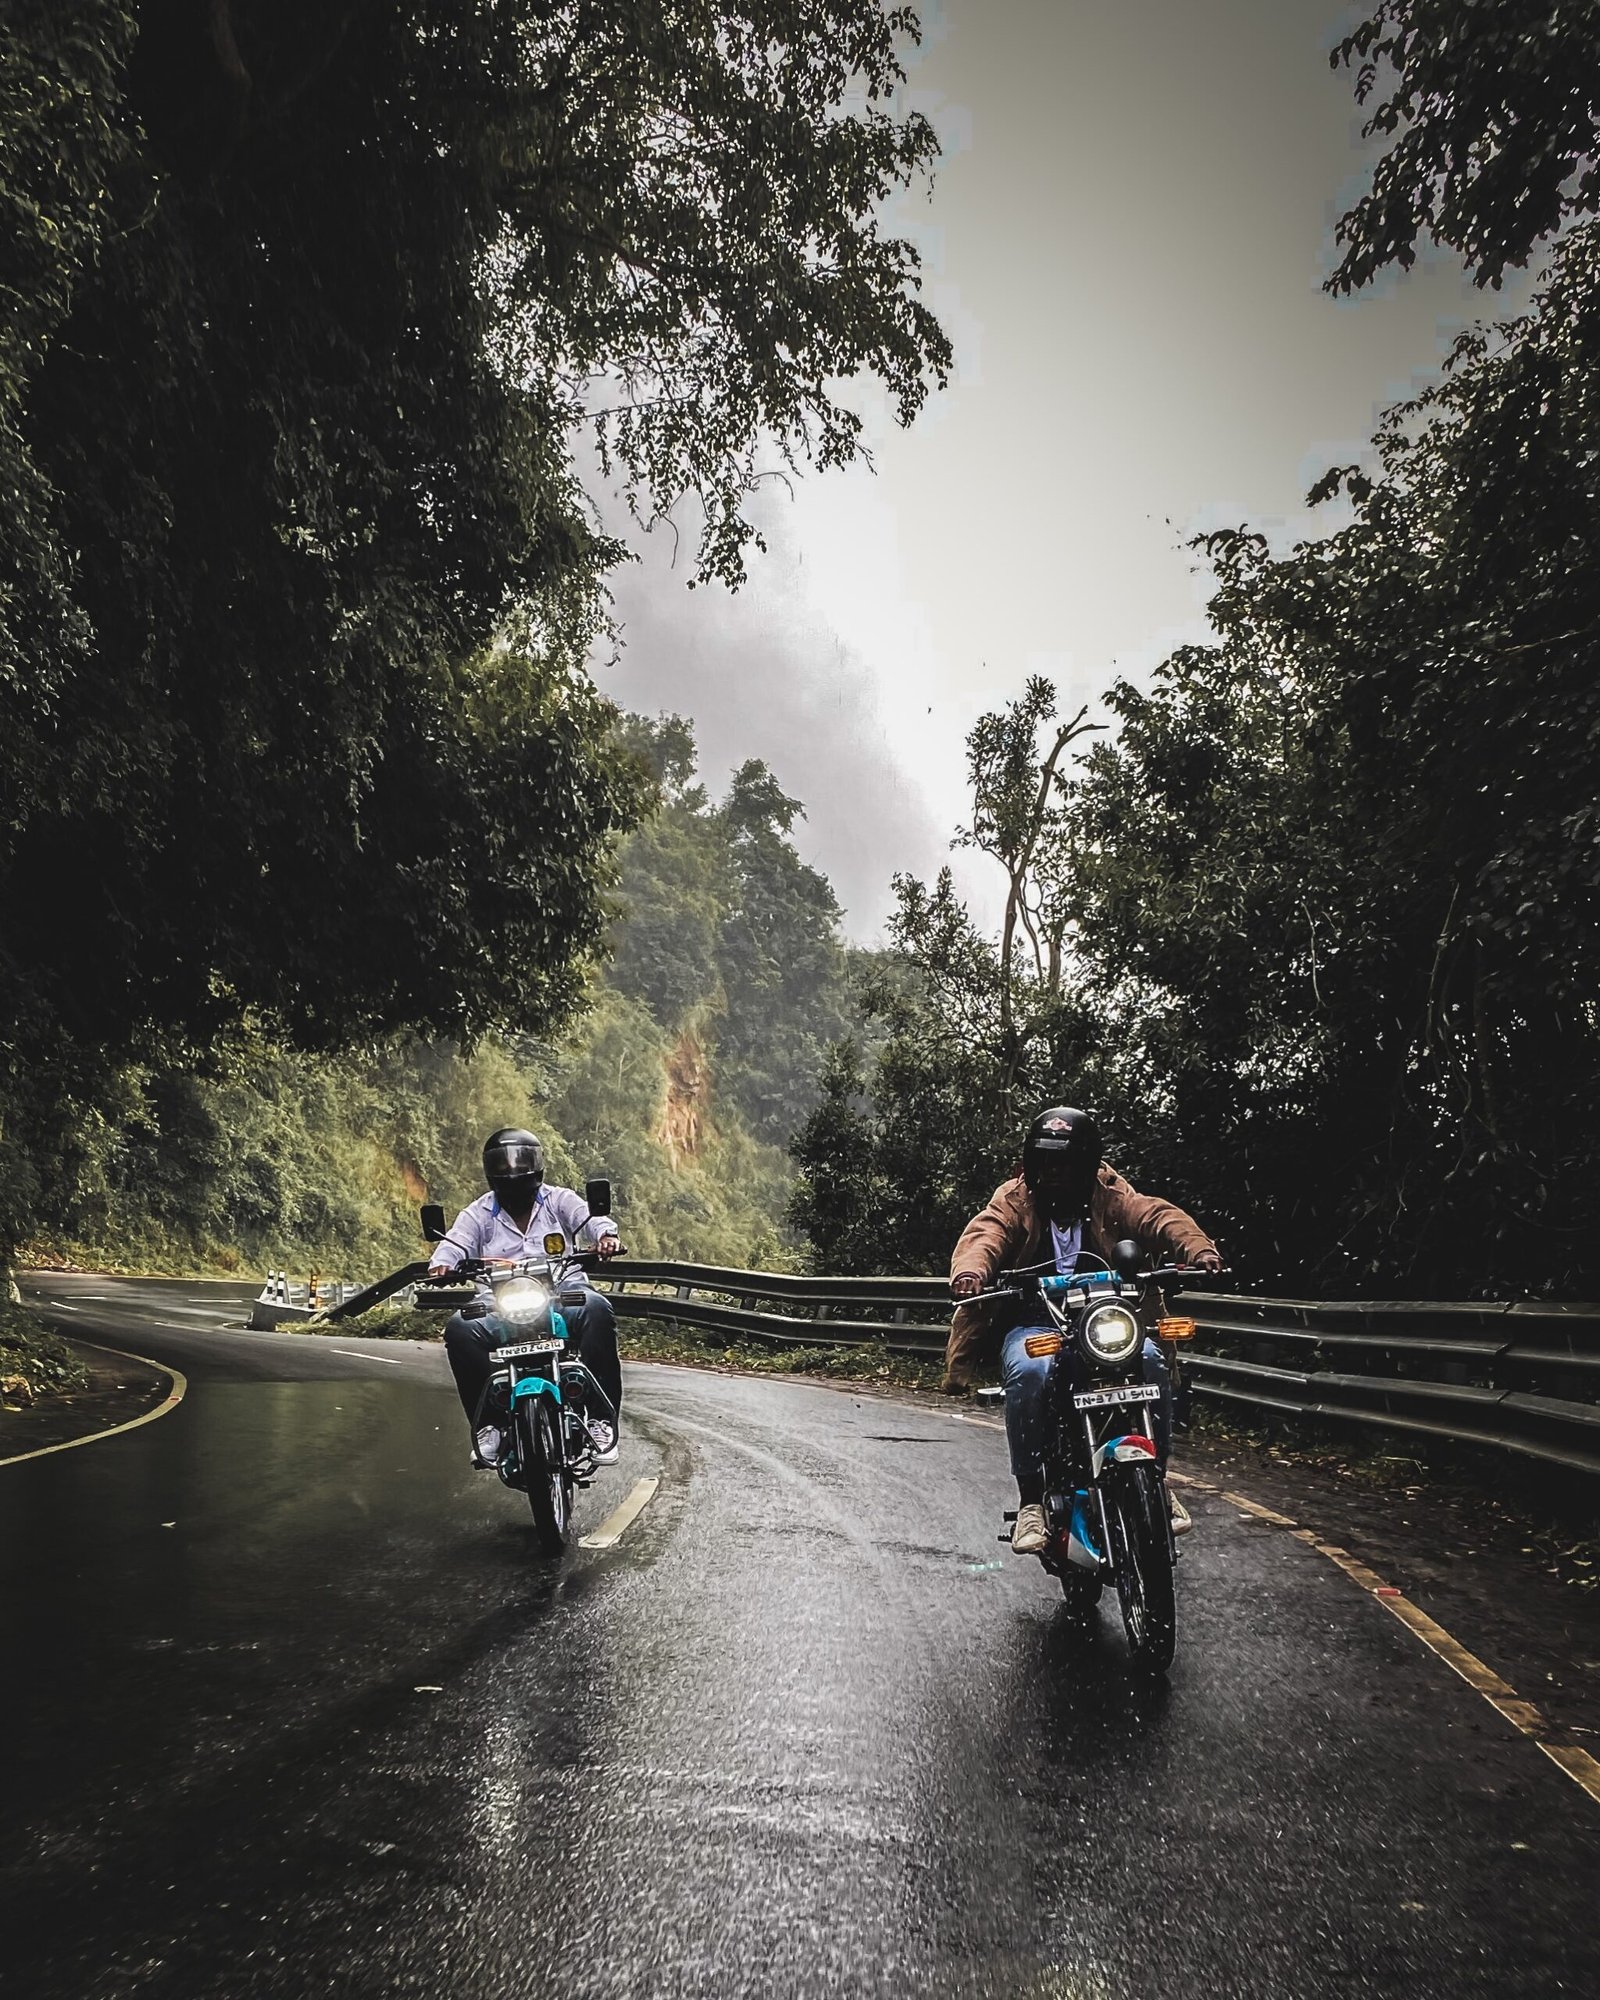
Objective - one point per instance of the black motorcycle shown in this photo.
(1105, 1500)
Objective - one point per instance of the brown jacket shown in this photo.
(1011, 1233)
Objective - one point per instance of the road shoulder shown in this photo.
(121, 1389)
(1515, 1591)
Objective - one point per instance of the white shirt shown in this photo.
(483, 1229)
(1068, 1243)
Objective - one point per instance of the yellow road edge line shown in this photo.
(180, 1388)
(616, 1523)
(1524, 1716)
(1255, 1507)
(1579, 1766)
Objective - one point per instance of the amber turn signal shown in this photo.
(1042, 1343)
(554, 1244)
(1176, 1329)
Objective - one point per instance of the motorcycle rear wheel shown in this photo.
(549, 1491)
(1142, 1551)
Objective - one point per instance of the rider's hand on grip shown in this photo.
(966, 1285)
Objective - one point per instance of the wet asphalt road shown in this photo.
(291, 1708)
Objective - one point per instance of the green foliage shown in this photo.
(263, 1154)
(31, 1352)
(694, 1347)
(310, 317)
(1491, 118)
(1334, 941)
(781, 961)
(727, 936)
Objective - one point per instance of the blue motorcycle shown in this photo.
(542, 1398)
(1105, 1500)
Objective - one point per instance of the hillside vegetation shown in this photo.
(699, 1052)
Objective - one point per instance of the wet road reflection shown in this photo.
(336, 1729)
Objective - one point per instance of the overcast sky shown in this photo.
(1126, 241)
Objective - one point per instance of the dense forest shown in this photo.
(698, 1051)
(320, 852)
(315, 320)
(1316, 927)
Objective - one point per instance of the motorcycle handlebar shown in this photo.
(1018, 1283)
(477, 1267)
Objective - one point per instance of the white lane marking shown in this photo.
(612, 1528)
(350, 1353)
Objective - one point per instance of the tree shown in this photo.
(1347, 863)
(321, 303)
(971, 1035)
(781, 960)
(1017, 821)
(1491, 116)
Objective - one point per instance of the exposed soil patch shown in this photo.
(683, 1116)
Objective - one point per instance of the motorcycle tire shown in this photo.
(1142, 1552)
(549, 1489)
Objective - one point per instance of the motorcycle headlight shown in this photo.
(1110, 1334)
(521, 1300)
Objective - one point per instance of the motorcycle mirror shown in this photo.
(432, 1222)
(1126, 1257)
(598, 1195)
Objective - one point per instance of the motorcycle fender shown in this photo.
(536, 1385)
(1133, 1448)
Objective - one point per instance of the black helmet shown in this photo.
(513, 1164)
(1060, 1161)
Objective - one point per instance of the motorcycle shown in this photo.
(1105, 1500)
(543, 1398)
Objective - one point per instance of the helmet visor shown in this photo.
(514, 1159)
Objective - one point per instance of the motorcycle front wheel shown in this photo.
(1142, 1552)
(549, 1494)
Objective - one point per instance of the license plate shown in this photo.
(526, 1353)
(1100, 1399)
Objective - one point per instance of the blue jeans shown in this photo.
(1025, 1376)
(471, 1335)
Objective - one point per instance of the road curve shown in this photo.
(293, 1709)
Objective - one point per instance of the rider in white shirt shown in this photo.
(512, 1220)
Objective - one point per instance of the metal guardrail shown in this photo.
(1522, 1378)
(737, 1296)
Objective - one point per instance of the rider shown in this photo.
(512, 1220)
(1066, 1207)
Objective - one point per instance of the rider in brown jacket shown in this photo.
(1069, 1207)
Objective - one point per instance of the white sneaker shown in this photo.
(487, 1446)
(1030, 1536)
(1182, 1521)
(604, 1439)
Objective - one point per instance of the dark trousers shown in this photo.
(472, 1335)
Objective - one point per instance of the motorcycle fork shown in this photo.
(1091, 1444)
